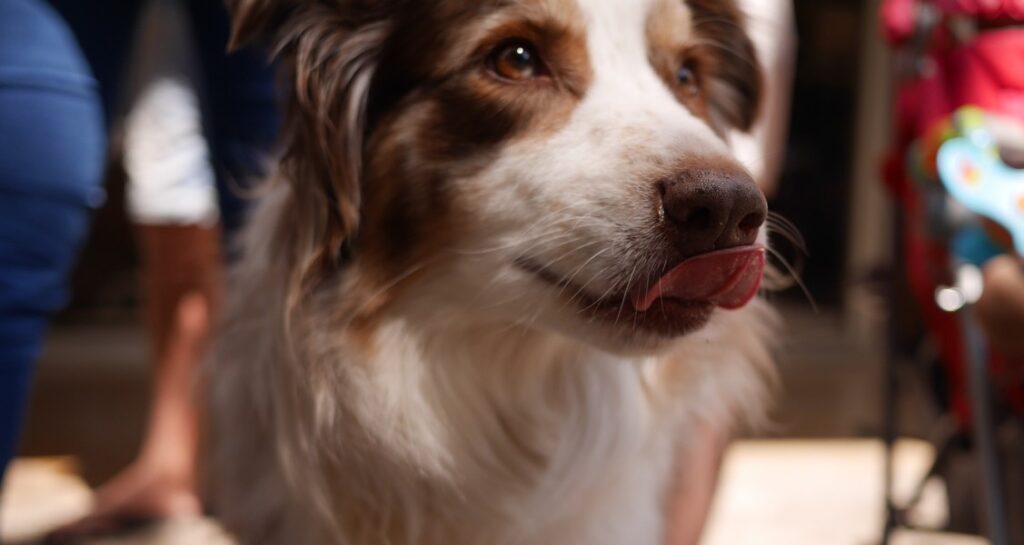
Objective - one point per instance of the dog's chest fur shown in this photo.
(502, 442)
(523, 438)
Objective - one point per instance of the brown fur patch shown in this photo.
(717, 50)
(671, 37)
(439, 112)
(408, 210)
(733, 74)
(447, 65)
(426, 57)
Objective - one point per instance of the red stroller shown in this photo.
(954, 53)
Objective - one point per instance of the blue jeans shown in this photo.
(51, 161)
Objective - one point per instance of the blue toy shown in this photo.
(975, 175)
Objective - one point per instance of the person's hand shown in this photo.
(1001, 308)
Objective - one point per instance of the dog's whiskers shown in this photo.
(625, 293)
(603, 297)
(569, 280)
(778, 224)
(794, 278)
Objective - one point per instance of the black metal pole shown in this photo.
(986, 447)
(891, 378)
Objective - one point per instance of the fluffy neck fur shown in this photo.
(453, 432)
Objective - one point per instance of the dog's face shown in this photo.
(553, 162)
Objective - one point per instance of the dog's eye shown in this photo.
(516, 61)
(687, 78)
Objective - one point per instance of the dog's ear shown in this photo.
(256, 20)
(329, 51)
(735, 79)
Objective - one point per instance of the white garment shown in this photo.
(170, 179)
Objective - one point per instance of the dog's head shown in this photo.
(554, 162)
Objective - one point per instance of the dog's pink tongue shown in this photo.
(728, 278)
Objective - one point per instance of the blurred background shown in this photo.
(817, 477)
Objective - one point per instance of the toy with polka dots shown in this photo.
(971, 169)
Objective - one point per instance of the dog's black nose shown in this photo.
(707, 209)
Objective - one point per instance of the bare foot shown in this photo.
(141, 494)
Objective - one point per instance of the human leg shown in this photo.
(696, 481)
(172, 202)
(51, 159)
